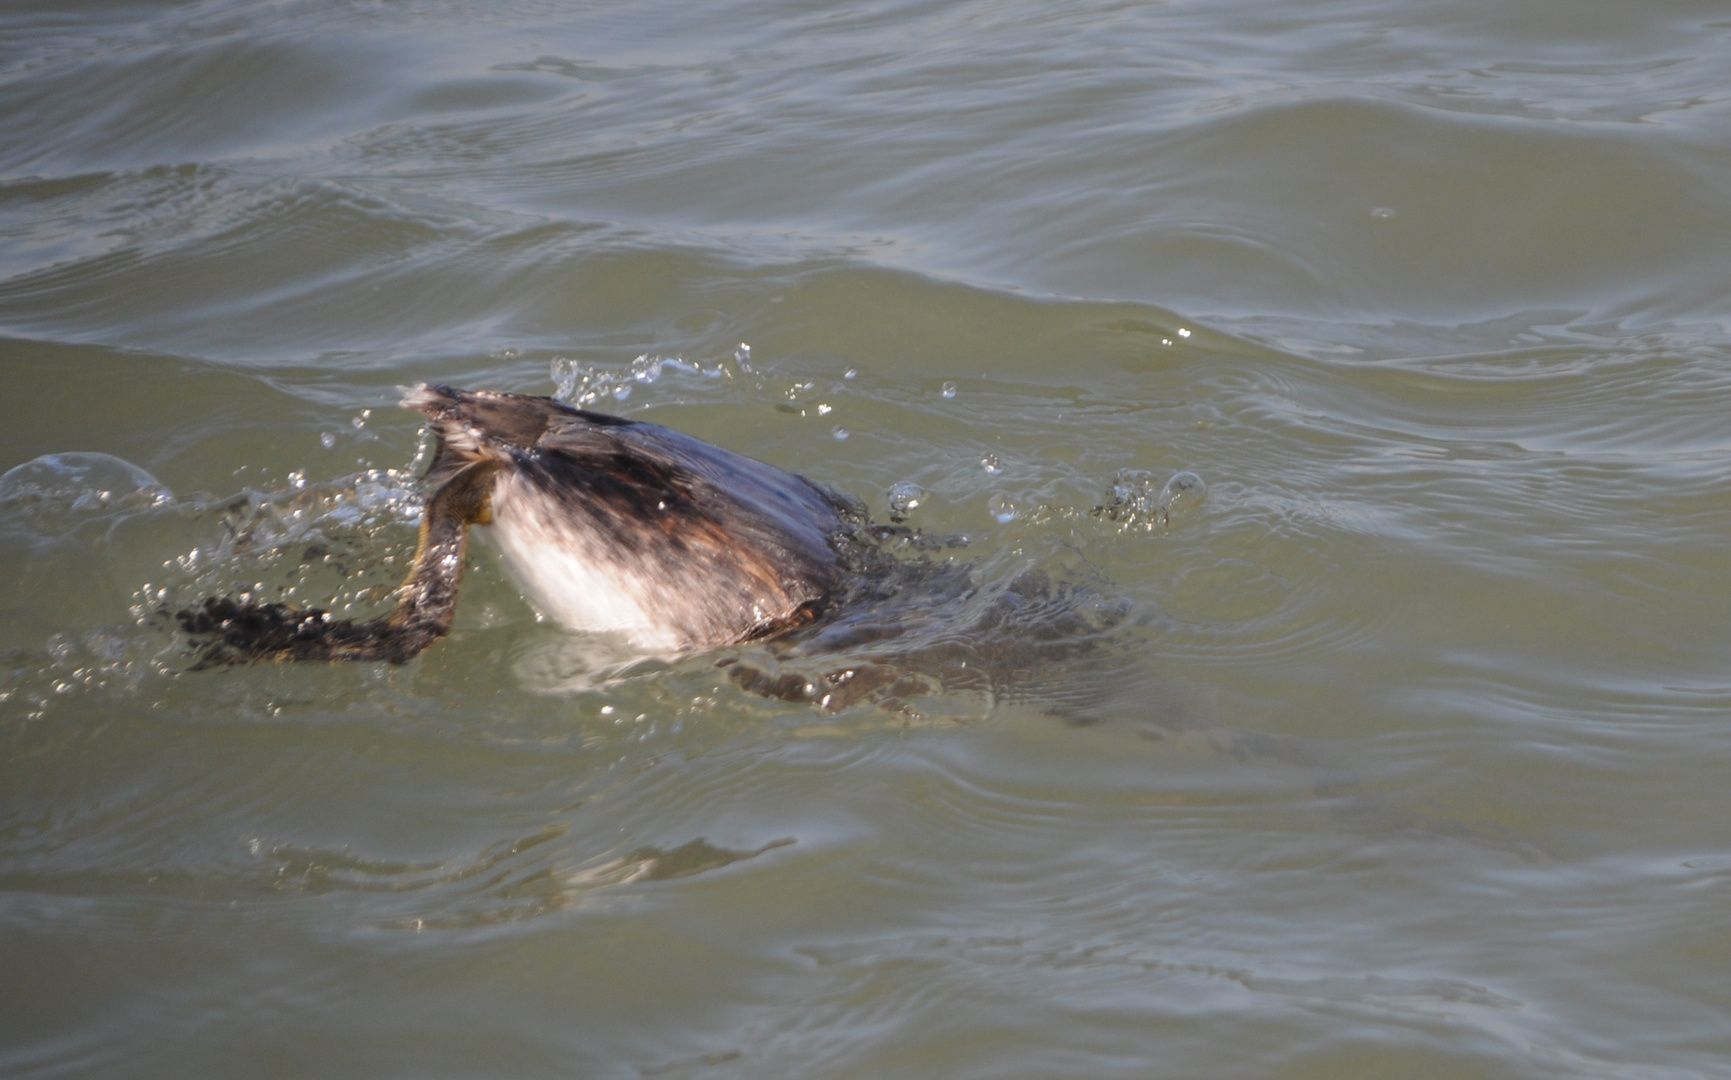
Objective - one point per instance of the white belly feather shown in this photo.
(568, 573)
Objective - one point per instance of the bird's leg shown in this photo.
(241, 631)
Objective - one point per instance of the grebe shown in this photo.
(608, 525)
(618, 526)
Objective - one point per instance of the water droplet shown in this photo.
(1002, 508)
(297, 479)
(645, 370)
(1183, 332)
(621, 392)
(905, 497)
(564, 374)
(840, 433)
(329, 439)
(949, 390)
(823, 410)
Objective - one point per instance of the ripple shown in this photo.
(1403, 740)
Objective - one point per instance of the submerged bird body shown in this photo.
(608, 525)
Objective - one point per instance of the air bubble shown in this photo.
(991, 465)
(1183, 493)
(949, 390)
(905, 497)
(1002, 508)
(840, 433)
(82, 481)
(328, 439)
(850, 374)
(621, 392)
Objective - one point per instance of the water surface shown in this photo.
(1409, 760)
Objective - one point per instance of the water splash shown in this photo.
(1134, 503)
(579, 383)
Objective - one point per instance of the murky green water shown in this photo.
(1411, 761)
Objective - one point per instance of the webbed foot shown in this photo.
(241, 631)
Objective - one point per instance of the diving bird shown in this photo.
(609, 525)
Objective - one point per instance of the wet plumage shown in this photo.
(608, 525)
